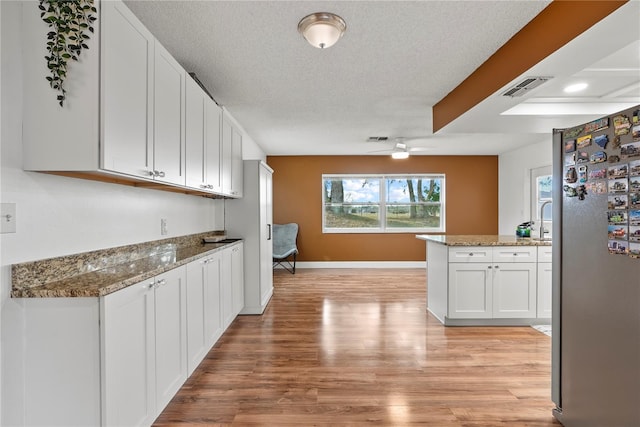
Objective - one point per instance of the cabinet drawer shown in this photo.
(470, 254)
(544, 253)
(515, 254)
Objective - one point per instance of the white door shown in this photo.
(213, 299)
(197, 340)
(266, 235)
(470, 287)
(544, 290)
(213, 117)
(237, 278)
(169, 84)
(226, 289)
(194, 135)
(514, 290)
(128, 337)
(171, 334)
(126, 92)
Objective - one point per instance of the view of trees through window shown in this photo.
(381, 203)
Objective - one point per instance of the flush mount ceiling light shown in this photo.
(577, 87)
(322, 29)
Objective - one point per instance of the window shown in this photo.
(541, 189)
(382, 203)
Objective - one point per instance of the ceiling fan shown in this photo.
(401, 149)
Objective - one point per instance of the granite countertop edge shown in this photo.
(482, 240)
(66, 289)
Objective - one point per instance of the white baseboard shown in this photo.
(359, 264)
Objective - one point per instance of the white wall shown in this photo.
(514, 184)
(58, 216)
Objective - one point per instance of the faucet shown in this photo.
(541, 218)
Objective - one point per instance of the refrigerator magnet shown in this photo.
(614, 158)
(618, 185)
(617, 217)
(570, 159)
(617, 247)
(601, 140)
(634, 217)
(634, 183)
(618, 171)
(597, 125)
(634, 233)
(630, 150)
(572, 133)
(598, 157)
(581, 192)
(617, 232)
(597, 174)
(634, 200)
(621, 124)
(570, 146)
(616, 142)
(635, 132)
(584, 141)
(634, 168)
(619, 201)
(582, 157)
(571, 175)
(596, 187)
(570, 191)
(582, 173)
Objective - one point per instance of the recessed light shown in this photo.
(577, 87)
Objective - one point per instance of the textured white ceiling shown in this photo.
(395, 61)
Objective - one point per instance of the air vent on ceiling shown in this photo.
(377, 138)
(525, 85)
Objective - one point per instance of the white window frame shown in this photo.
(382, 204)
(535, 199)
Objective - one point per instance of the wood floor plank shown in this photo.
(357, 347)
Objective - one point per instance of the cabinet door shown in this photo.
(212, 134)
(544, 290)
(213, 299)
(171, 334)
(128, 334)
(237, 278)
(194, 135)
(226, 289)
(514, 290)
(169, 84)
(225, 161)
(237, 181)
(197, 340)
(470, 291)
(266, 233)
(126, 91)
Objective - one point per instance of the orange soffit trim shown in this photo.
(530, 45)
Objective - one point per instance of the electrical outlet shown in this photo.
(163, 227)
(7, 217)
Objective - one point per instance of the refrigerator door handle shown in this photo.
(269, 235)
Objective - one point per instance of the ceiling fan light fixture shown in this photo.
(400, 155)
(322, 29)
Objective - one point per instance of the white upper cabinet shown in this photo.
(212, 145)
(126, 91)
(168, 112)
(127, 115)
(194, 135)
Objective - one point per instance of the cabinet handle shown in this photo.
(515, 254)
(489, 267)
(497, 266)
(151, 285)
(159, 174)
(471, 254)
(269, 235)
(161, 282)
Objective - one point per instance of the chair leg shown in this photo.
(294, 263)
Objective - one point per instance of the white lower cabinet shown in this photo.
(145, 347)
(544, 281)
(118, 360)
(487, 284)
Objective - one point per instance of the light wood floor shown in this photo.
(357, 347)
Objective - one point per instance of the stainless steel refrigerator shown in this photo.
(596, 272)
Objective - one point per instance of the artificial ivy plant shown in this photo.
(70, 22)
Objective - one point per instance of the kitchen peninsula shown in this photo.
(488, 280)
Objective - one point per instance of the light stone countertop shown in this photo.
(482, 240)
(98, 273)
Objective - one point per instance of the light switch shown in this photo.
(7, 217)
(163, 226)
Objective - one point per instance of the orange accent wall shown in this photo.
(471, 197)
(557, 24)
